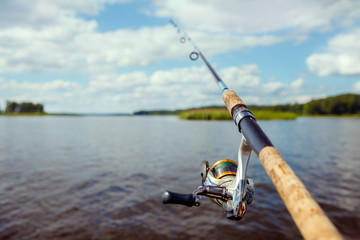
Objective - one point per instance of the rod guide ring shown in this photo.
(194, 56)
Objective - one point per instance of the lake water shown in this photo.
(102, 177)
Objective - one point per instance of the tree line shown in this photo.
(342, 104)
(337, 105)
(24, 107)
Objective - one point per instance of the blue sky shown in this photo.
(109, 56)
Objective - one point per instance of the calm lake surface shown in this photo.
(103, 177)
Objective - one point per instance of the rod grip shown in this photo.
(178, 198)
(231, 100)
(307, 214)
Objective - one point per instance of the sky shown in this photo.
(121, 56)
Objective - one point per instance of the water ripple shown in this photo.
(102, 178)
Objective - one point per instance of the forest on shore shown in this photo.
(337, 105)
(340, 105)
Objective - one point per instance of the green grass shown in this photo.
(222, 114)
(274, 115)
(205, 114)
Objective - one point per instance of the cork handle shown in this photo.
(307, 214)
(231, 99)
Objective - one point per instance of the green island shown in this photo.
(29, 109)
(223, 114)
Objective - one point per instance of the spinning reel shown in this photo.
(225, 183)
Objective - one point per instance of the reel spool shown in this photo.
(224, 167)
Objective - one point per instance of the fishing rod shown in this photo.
(226, 183)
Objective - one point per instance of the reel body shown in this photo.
(225, 183)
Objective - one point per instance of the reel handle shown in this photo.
(179, 198)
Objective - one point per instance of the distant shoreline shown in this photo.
(344, 105)
(38, 114)
(208, 114)
(64, 114)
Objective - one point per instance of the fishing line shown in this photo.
(185, 37)
(194, 55)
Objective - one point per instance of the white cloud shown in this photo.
(54, 85)
(40, 13)
(356, 87)
(193, 75)
(298, 83)
(117, 83)
(259, 16)
(331, 64)
(59, 85)
(162, 89)
(48, 36)
(243, 76)
(274, 87)
(76, 46)
(342, 56)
